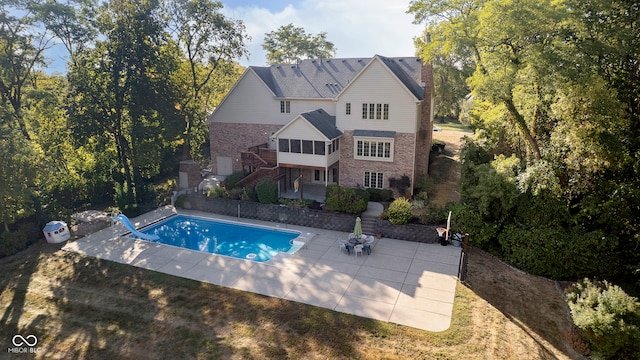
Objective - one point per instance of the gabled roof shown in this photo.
(326, 78)
(324, 123)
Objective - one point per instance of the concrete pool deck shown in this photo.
(402, 282)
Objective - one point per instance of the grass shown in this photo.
(450, 124)
(81, 307)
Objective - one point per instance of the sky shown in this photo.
(357, 28)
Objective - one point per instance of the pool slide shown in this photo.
(125, 221)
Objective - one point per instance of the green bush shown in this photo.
(608, 317)
(380, 195)
(217, 192)
(345, 200)
(180, 201)
(249, 193)
(267, 192)
(561, 253)
(401, 184)
(422, 196)
(363, 193)
(13, 242)
(231, 180)
(433, 215)
(235, 193)
(400, 211)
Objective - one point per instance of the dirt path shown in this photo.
(444, 167)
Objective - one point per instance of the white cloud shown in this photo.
(358, 28)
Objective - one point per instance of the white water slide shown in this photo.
(127, 224)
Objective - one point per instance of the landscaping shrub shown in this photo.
(217, 192)
(14, 242)
(433, 215)
(608, 317)
(231, 180)
(380, 195)
(401, 184)
(556, 252)
(345, 200)
(267, 192)
(400, 211)
(363, 193)
(235, 193)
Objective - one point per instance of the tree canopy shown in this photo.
(141, 78)
(290, 44)
(555, 84)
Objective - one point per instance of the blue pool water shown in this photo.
(224, 238)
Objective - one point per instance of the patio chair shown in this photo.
(367, 248)
(343, 246)
(358, 249)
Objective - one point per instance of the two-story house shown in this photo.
(356, 122)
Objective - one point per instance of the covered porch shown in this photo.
(307, 182)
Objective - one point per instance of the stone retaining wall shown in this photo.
(410, 232)
(306, 217)
(275, 213)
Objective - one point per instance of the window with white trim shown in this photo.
(373, 149)
(373, 179)
(374, 111)
(285, 106)
(348, 109)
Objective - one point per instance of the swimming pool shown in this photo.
(224, 238)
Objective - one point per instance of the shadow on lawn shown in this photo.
(82, 307)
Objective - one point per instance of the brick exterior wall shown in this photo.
(352, 170)
(424, 137)
(229, 139)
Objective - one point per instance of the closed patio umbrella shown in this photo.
(357, 230)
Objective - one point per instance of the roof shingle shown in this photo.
(325, 78)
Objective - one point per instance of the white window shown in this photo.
(285, 106)
(373, 179)
(348, 109)
(373, 149)
(373, 111)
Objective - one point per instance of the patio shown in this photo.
(407, 283)
(310, 191)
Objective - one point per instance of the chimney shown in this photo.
(425, 127)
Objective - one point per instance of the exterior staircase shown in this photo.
(255, 177)
(261, 163)
(368, 224)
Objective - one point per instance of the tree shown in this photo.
(71, 22)
(210, 42)
(290, 44)
(505, 41)
(21, 50)
(17, 176)
(122, 94)
(556, 83)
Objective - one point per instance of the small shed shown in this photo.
(56, 232)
